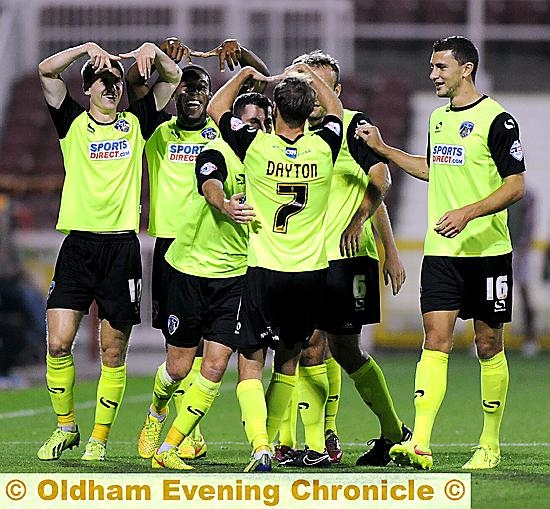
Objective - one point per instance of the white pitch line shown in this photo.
(29, 412)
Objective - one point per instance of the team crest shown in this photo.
(516, 151)
(466, 128)
(173, 324)
(209, 133)
(122, 125)
(291, 152)
(52, 286)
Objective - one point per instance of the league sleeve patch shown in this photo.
(516, 151)
(334, 127)
(208, 168)
(237, 123)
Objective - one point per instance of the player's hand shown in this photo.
(350, 240)
(452, 223)
(228, 52)
(100, 58)
(394, 272)
(370, 134)
(238, 210)
(145, 58)
(174, 48)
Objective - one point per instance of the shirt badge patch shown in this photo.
(209, 133)
(122, 125)
(466, 128)
(516, 151)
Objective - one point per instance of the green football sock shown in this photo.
(371, 386)
(60, 379)
(250, 394)
(287, 428)
(110, 391)
(429, 390)
(312, 398)
(278, 396)
(196, 401)
(163, 390)
(334, 374)
(494, 386)
(184, 386)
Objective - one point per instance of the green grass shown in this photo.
(521, 481)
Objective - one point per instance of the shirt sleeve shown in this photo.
(210, 164)
(364, 155)
(332, 132)
(145, 109)
(64, 116)
(236, 134)
(505, 146)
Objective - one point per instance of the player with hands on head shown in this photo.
(100, 257)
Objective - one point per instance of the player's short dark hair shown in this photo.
(317, 58)
(295, 100)
(88, 72)
(193, 71)
(254, 98)
(463, 50)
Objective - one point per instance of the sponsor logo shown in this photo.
(493, 405)
(183, 152)
(108, 403)
(516, 151)
(314, 461)
(122, 125)
(209, 133)
(109, 149)
(438, 126)
(466, 128)
(333, 398)
(173, 324)
(56, 390)
(91, 128)
(303, 405)
(509, 123)
(208, 168)
(236, 124)
(291, 152)
(240, 179)
(453, 155)
(195, 411)
(335, 127)
(419, 393)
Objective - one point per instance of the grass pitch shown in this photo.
(521, 481)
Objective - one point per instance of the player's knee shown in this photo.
(213, 370)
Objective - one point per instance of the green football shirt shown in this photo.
(208, 243)
(171, 155)
(471, 150)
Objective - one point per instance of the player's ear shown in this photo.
(338, 89)
(468, 69)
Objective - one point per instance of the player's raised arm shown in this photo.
(50, 69)
(136, 86)
(148, 57)
(414, 165)
(223, 99)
